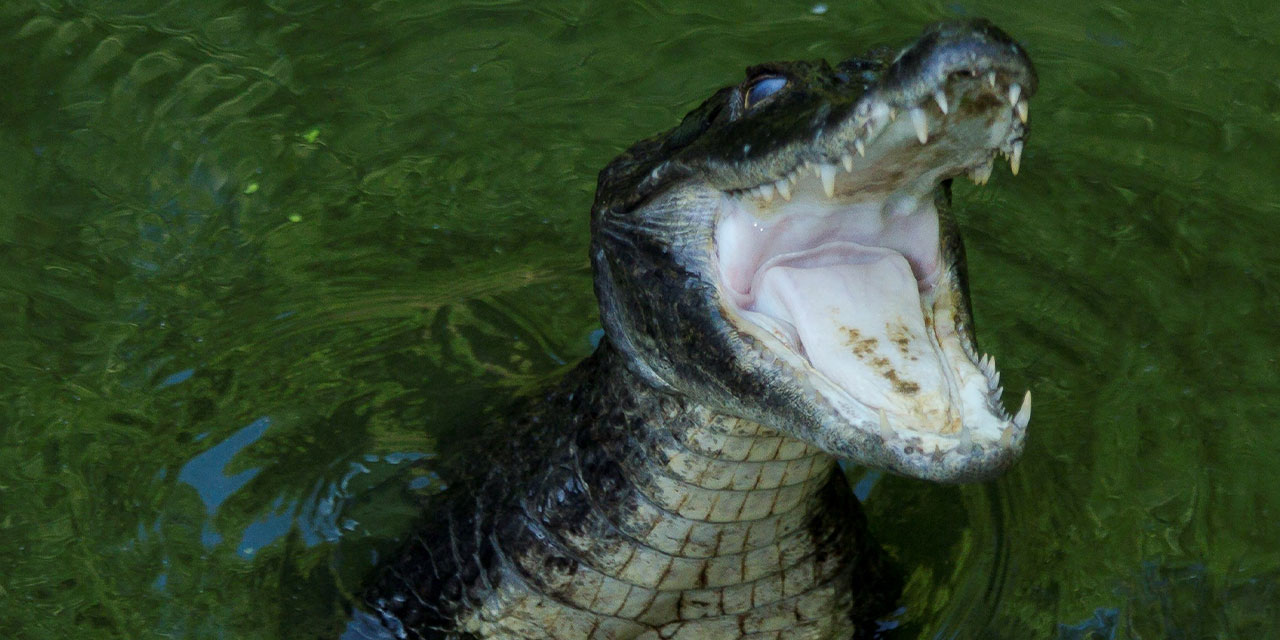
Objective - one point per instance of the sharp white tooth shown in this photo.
(984, 172)
(1006, 438)
(1024, 414)
(941, 98)
(879, 118)
(991, 79)
(766, 192)
(1015, 158)
(817, 171)
(784, 188)
(827, 173)
(885, 431)
(1015, 90)
(861, 147)
(794, 177)
(847, 159)
(893, 115)
(995, 379)
(1022, 110)
(999, 392)
(921, 125)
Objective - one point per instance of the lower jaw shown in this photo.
(935, 412)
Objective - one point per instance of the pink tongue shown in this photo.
(860, 324)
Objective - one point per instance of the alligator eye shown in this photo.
(763, 88)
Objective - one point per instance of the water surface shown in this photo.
(262, 262)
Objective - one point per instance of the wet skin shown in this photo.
(781, 284)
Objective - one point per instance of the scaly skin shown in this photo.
(650, 516)
(682, 481)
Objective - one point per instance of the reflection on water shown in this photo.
(261, 264)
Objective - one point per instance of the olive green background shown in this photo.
(262, 262)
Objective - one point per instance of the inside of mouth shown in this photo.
(873, 351)
(848, 287)
(841, 279)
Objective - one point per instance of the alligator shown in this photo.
(782, 284)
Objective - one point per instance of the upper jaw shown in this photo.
(962, 120)
(865, 193)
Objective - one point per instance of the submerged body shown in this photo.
(781, 284)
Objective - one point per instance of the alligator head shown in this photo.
(786, 254)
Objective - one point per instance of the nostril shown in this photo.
(963, 73)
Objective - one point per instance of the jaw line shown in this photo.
(979, 445)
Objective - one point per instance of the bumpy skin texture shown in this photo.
(670, 486)
(625, 513)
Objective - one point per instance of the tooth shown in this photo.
(766, 192)
(827, 172)
(885, 431)
(922, 127)
(1006, 438)
(1015, 158)
(794, 177)
(784, 188)
(940, 98)
(893, 115)
(879, 113)
(995, 379)
(966, 442)
(1015, 90)
(1022, 110)
(984, 172)
(991, 79)
(862, 148)
(1024, 414)
(847, 159)
(817, 171)
(999, 392)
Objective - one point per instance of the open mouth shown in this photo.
(840, 273)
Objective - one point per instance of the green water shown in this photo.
(262, 262)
